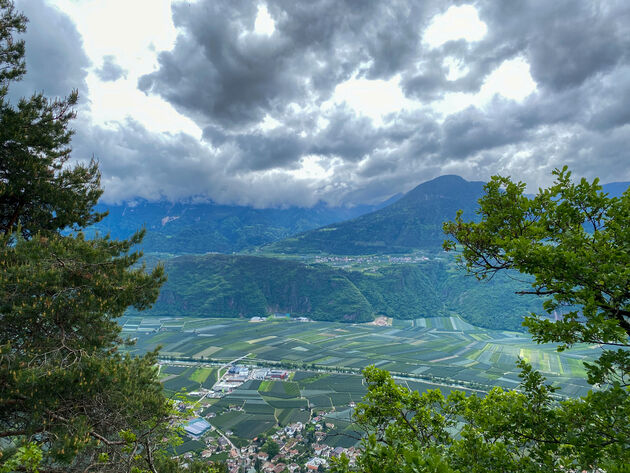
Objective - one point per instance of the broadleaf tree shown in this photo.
(573, 243)
(69, 400)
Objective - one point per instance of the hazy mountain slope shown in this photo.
(413, 222)
(182, 228)
(615, 189)
(235, 286)
(397, 225)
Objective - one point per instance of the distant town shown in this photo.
(297, 447)
(363, 261)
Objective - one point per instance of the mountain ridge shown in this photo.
(181, 228)
(412, 222)
(402, 223)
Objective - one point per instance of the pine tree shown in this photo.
(69, 400)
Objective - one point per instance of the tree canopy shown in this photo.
(69, 400)
(574, 241)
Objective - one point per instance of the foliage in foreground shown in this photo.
(516, 431)
(575, 242)
(68, 400)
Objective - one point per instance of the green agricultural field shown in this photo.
(200, 375)
(279, 389)
(438, 349)
(290, 416)
(182, 382)
(189, 445)
(431, 353)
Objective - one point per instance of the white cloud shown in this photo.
(456, 23)
(511, 80)
(132, 32)
(269, 123)
(264, 22)
(456, 68)
(114, 102)
(372, 98)
(311, 167)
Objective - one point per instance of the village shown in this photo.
(294, 448)
(297, 447)
(368, 261)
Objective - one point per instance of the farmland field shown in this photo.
(429, 353)
(429, 348)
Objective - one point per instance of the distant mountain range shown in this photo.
(401, 224)
(181, 228)
(412, 222)
(615, 189)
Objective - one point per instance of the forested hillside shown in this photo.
(235, 286)
(413, 222)
(246, 286)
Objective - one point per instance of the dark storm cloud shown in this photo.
(565, 41)
(110, 71)
(221, 72)
(608, 105)
(347, 136)
(182, 168)
(264, 102)
(470, 131)
(273, 149)
(230, 80)
(55, 60)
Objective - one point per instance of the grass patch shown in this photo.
(201, 374)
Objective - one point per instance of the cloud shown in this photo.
(181, 168)
(221, 71)
(532, 86)
(55, 60)
(566, 42)
(231, 79)
(110, 71)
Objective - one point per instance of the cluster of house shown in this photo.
(215, 445)
(324, 452)
(289, 459)
(295, 454)
(363, 260)
(406, 259)
(248, 458)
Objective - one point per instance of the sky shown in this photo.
(287, 102)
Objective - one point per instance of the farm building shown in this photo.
(197, 427)
(278, 374)
(260, 373)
